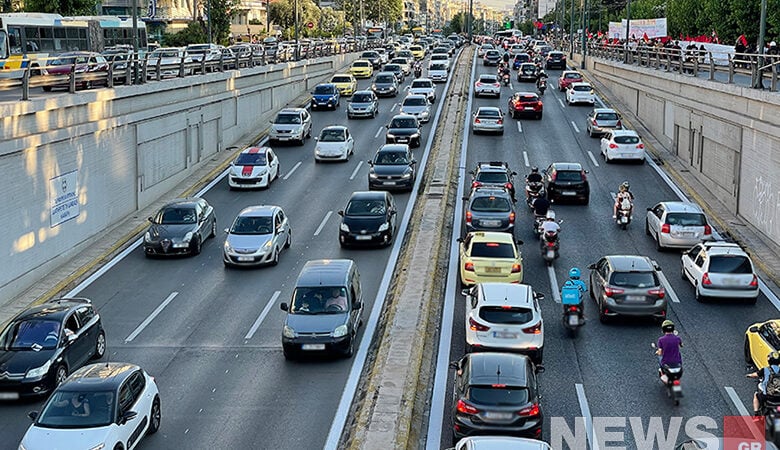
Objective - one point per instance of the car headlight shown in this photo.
(384, 227)
(288, 332)
(21, 446)
(38, 372)
(187, 237)
(262, 173)
(373, 87)
(372, 175)
(317, 150)
(407, 175)
(340, 331)
(268, 245)
(344, 227)
(227, 247)
(148, 237)
(390, 135)
(415, 135)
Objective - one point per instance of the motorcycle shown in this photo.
(534, 190)
(571, 298)
(418, 72)
(541, 85)
(623, 216)
(549, 246)
(505, 79)
(673, 373)
(538, 219)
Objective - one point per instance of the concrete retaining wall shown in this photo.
(73, 166)
(727, 136)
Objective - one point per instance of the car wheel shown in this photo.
(288, 355)
(539, 116)
(603, 318)
(100, 346)
(60, 374)
(748, 356)
(308, 133)
(647, 228)
(302, 142)
(586, 201)
(751, 301)
(590, 132)
(349, 117)
(119, 446)
(213, 231)
(682, 273)
(700, 298)
(155, 416)
(658, 246)
(288, 242)
(275, 259)
(351, 349)
(197, 247)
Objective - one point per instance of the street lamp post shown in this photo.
(268, 17)
(208, 14)
(571, 32)
(584, 37)
(135, 40)
(628, 30)
(295, 27)
(759, 81)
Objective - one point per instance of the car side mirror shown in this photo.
(150, 219)
(227, 230)
(283, 306)
(586, 171)
(753, 329)
(341, 212)
(649, 209)
(459, 240)
(538, 296)
(592, 266)
(70, 338)
(465, 292)
(539, 369)
(370, 163)
(514, 173)
(316, 139)
(387, 126)
(357, 305)
(519, 242)
(413, 162)
(127, 416)
(656, 266)
(32, 415)
(455, 365)
(465, 198)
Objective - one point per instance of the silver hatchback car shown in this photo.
(677, 225)
(488, 119)
(627, 285)
(601, 120)
(258, 235)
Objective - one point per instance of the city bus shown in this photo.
(30, 39)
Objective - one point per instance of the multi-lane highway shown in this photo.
(211, 336)
(608, 370)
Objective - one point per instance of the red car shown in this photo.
(525, 103)
(567, 78)
(84, 63)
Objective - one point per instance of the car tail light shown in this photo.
(508, 185)
(666, 228)
(517, 104)
(465, 408)
(613, 145)
(554, 176)
(468, 216)
(497, 84)
(754, 281)
(511, 217)
(479, 84)
(584, 176)
(640, 146)
(595, 124)
(536, 329)
(468, 267)
(660, 292)
(516, 268)
(476, 326)
(705, 279)
(707, 230)
(619, 124)
(500, 121)
(529, 411)
(475, 184)
(477, 120)
(563, 58)
(610, 291)
(539, 103)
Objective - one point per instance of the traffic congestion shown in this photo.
(235, 318)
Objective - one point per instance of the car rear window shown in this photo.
(488, 113)
(626, 139)
(528, 98)
(581, 88)
(606, 116)
(686, 219)
(492, 177)
(495, 396)
(487, 79)
(421, 84)
(490, 204)
(506, 315)
(342, 79)
(492, 250)
(634, 279)
(437, 67)
(361, 64)
(568, 175)
(571, 76)
(730, 264)
(251, 159)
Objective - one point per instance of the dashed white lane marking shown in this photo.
(520, 128)
(736, 400)
(592, 158)
(554, 284)
(151, 317)
(354, 172)
(379, 131)
(394, 105)
(585, 410)
(525, 159)
(261, 317)
(295, 167)
(575, 126)
(322, 224)
(668, 287)
(561, 102)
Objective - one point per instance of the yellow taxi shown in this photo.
(417, 51)
(345, 83)
(362, 68)
(761, 339)
(487, 256)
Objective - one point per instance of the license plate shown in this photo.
(245, 258)
(498, 415)
(313, 347)
(363, 238)
(634, 298)
(568, 193)
(731, 281)
(686, 233)
(402, 140)
(529, 108)
(283, 138)
(504, 335)
(491, 223)
(492, 269)
(9, 395)
(389, 183)
(574, 320)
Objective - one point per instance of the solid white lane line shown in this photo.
(561, 102)
(585, 411)
(668, 287)
(295, 167)
(592, 158)
(769, 294)
(554, 284)
(525, 159)
(575, 126)
(354, 172)
(394, 105)
(379, 131)
(322, 224)
(519, 127)
(511, 86)
(262, 315)
(151, 317)
(737, 401)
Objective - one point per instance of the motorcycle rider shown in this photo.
(533, 177)
(550, 225)
(764, 374)
(506, 57)
(574, 281)
(417, 69)
(623, 194)
(505, 72)
(668, 348)
(541, 75)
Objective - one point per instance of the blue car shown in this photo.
(325, 95)
(519, 59)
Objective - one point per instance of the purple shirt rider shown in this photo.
(670, 349)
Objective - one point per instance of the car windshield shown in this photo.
(686, 219)
(327, 89)
(176, 216)
(251, 159)
(415, 101)
(730, 264)
(521, 57)
(439, 56)
(31, 334)
(365, 208)
(572, 76)
(437, 67)
(489, 113)
(319, 300)
(66, 61)
(288, 119)
(361, 98)
(582, 88)
(74, 409)
(492, 54)
(528, 98)
(626, 140)
(361, 64)
(487, 79)
(385, 79)
(332, 136)
(252, 225)
(492, 250)
(421, 84)
(529, 68)
(369, 55)
(607, 116)
(568, 175)
(490, 204)
(634, 279)
(403, 123)
(495, 396)
(492, 177)
(506, 315)
(391, 159)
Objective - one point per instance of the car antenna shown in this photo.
(498, 374)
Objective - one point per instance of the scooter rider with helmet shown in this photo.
(533, 177)
(765, 374)
(668, 348)
(575, 282)
(624, 193)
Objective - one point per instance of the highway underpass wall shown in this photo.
(73, 166)
(727, 136)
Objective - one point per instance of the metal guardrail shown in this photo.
(138, 69)
(760, 71)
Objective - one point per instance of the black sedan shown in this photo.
(42, 345)
(392, 168)
(180, 227)
(403, 129)
(369, 219)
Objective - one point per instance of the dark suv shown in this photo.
(403, 129)
(555, 60)
(42, 345)
(627, 285)
(567, 181)
(490, 209)
(496, 393)
(494, 174)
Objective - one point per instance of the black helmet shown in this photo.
(667, 326)
(773, 359)
(534, 169)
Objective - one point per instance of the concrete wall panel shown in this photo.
(759, 193)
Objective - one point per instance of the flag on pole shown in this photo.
(743, 40)
(645, 37)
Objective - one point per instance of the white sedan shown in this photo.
(622, 144)
(487, 84)
(255, 167)
(580, 93)
(100, 406)
(335, 143)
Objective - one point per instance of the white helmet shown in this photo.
(550, 215)
(772, 44)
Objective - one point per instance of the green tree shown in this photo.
(382, 11)
(64, 7)
(456, 24)
(195, 33)
(282, 14)
(220, 15)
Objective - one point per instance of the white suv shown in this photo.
(504, 316)
(720, 269)
(291, 125)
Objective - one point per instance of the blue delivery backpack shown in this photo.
(570, 294)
